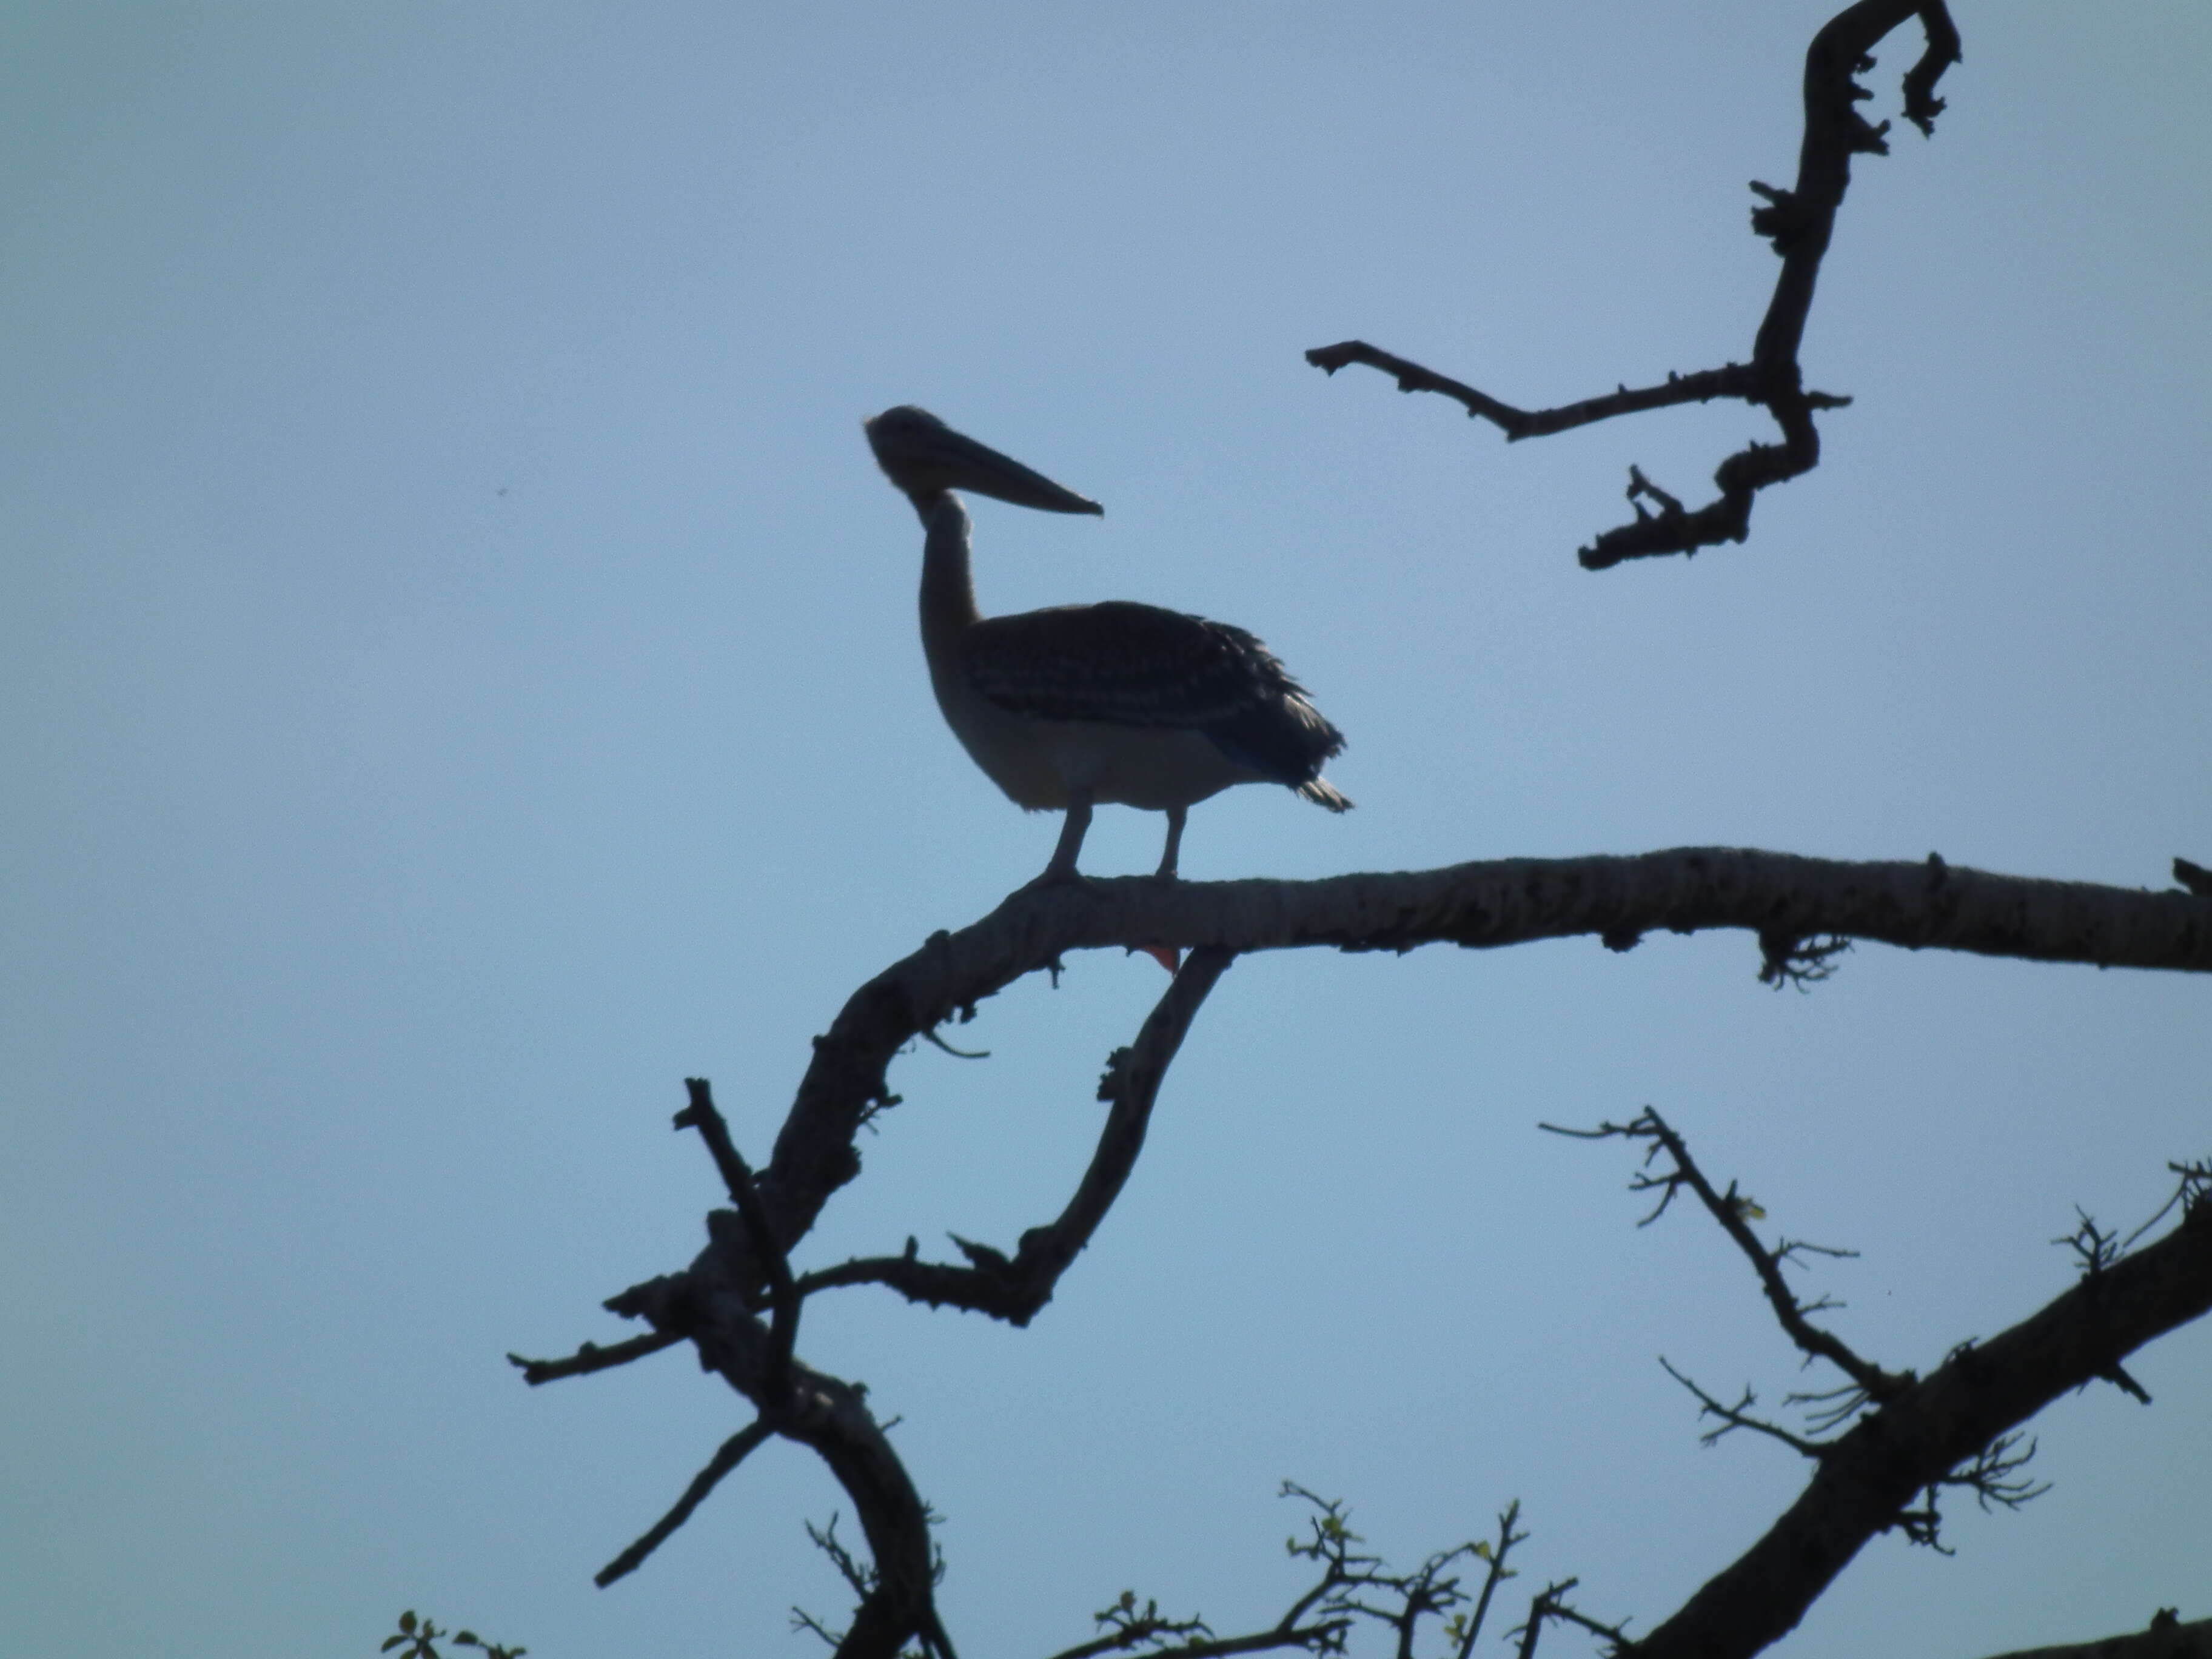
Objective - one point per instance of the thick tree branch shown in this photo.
(1773, 895)
(1799, 223)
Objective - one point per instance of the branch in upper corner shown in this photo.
(1799, 223)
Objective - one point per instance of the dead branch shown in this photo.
(1551, 1603)
(1799, 223)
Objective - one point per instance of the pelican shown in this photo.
(1066, 708)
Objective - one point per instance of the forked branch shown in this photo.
(1013, 1288)
(1735, 1212)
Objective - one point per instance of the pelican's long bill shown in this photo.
(925, 457)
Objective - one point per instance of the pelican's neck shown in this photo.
(948, 594)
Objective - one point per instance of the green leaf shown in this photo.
(407, 1621)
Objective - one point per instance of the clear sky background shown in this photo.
(458, 677)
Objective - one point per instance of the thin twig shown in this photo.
(593, 1358)
(1738, 1417)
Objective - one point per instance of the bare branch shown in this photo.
(591, 1357)
(733, 1451)
(1737, 1416)
(1994, 1475)
(1733, 1210)
(1552, 1603)
(1799, 223)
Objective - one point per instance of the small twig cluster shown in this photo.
(1354, 1588)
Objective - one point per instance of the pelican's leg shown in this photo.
(1071, 831)
(1175, 816)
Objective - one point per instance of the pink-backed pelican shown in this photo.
(1083, 703)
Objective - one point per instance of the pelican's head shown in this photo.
(925, 458)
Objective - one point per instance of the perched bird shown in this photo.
(1083, 703)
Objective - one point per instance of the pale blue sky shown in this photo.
(458, 676)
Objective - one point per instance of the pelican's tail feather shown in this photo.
(1321, 793)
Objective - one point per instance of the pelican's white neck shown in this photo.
(948, 592)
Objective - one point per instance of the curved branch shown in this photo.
(1014, 1289)
(1799, 223)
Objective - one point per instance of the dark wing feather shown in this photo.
(1135, 664)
